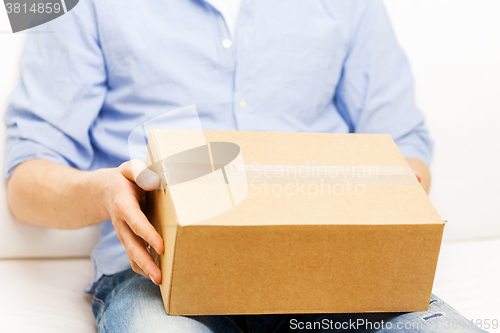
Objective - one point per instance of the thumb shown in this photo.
(418, 175)
(137, 171)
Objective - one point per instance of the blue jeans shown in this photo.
(128, 302)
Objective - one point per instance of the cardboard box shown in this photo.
(266, 222)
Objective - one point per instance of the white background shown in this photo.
(454, 50)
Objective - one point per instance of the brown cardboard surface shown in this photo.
(298, 253)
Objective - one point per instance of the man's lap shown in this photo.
(128, 302)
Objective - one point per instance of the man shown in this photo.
(109, 66)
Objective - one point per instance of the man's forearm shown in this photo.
(47, 194)
(423, 170)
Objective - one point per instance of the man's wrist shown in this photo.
(97, 185)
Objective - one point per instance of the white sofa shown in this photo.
(43, 272)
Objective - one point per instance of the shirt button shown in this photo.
(226, 43)
(243, 103)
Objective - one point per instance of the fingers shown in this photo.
(128, 209)
(132, 226)
(137, 269)
(136, 171)
(139, 258)
(418, 175)
(148, 180)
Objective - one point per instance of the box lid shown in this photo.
(293, 178)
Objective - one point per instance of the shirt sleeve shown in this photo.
(375, 92)
(60, 93)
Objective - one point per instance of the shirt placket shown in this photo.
(243, 105)
(228, 53)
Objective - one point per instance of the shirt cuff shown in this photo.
(421, 153)
(21, 150)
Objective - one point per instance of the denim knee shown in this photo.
(440, 317)
(128, 302)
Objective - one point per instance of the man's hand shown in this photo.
(421, 172)
(418, 175)
(132, 227)
(51, 195)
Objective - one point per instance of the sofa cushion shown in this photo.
(24, 241)
(46, 296)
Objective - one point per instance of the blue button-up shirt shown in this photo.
(294, 65)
